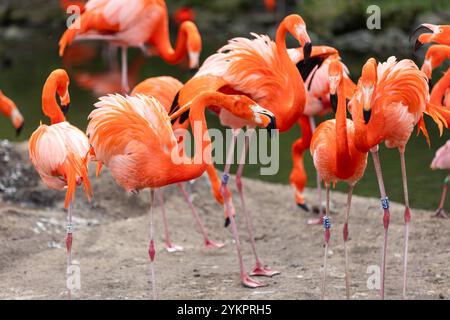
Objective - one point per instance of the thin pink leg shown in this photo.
(345, 235)
(386, 216)
(125, 86)
(246, 280)
(209, 244)
(170, 247)
(260, 269)
(69, 241)
(440, 212)
(151, 247)
(327, 227)
(407, 218)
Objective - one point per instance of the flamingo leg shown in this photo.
(151, 247)
(386, 216)
(440, 213)
(345, 235)
(125, 86)
(246, 280)
(69, 241)
(260, 269)
(209, 244)
(327, 227)
(169, 246)
(407, 218)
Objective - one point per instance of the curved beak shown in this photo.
(265, 119)
(65, 108)
(367, 99)
(423, 28)
(19, 129)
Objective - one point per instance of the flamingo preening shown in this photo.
(133, 137)
(389, 101)
(262, 70)
(336, 157)
(134, 23)
(9, 109)
(164, 90)
(60, 152)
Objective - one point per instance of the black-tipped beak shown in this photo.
(416, 33)
(272, 126)
(334, 102)
(307, 51)
(65, 108)
(367, 115)
(303, 206)
(227, 222)
(19, 129)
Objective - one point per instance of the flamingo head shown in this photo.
(194, 43)
(246, 109)
(368, 82)
(297, 27)
(427, 33)
(13, 112)
(57, 84)
(63, 93)
(335, 77)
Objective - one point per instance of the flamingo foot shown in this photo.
(314, 222)
(209, 244)
(261, 271)
(250, 283)
(171, 248)
(440, 213)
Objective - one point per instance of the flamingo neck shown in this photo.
(6, 106)
(439, 89)
(343, 157)
(302, 144)
(50, 105)
(165, 50)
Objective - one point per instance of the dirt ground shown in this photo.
(111, 241)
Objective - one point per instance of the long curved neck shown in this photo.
(343, 157)
(302, 144)
(439, 89)
(294, 76)
(164, 47)
(6, 106)
(50, 106)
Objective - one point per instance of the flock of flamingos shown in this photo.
(250, 82)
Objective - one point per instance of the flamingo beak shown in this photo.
(307, 51)
(65, 108)
(19, 129)
(334, 102)
(423, 28)
(367, 110)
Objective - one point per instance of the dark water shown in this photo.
(35, 58)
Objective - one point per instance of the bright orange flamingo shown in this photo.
(60, 152)
(430, 33)
(134, 138)
(10, 110)
(336, 157)
(442, 161)
(389, 101)
(164, 89)
(135, 23)
(315, 75)
(262, 70)
(435, 56)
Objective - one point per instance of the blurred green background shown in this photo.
(30, 29)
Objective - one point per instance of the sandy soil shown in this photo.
(111, 240)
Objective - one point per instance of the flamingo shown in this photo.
(435, 56)
(134, 138)
(135, 23)
(430, 33)
(442, 161)
(315, 75)
(10, 110)
(164, 89)
(336, 157)
(261, 69)
(389, 101)
(60, 151)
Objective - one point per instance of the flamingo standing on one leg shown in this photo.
(134, 138)
(164, 89)
(389, 101)
(10, 110)
(263, 70)
(336, 157)
(442, 161)
(135, 23)
(60, 152)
